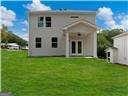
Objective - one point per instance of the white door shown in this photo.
(76, 47)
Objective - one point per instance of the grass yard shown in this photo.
(59, 76)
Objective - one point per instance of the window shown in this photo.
(54, 42)
(74, 17)
(40, 21)
(38, 42)
(108, 59)
(108, 54)
(48, 21)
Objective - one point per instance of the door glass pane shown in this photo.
(73, 47)
(79, 47)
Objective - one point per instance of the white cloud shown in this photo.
(37, 6)
(124, 22)
(25, 22)
(24, 29)
(24, 36)
(106, 15)
(7, 16)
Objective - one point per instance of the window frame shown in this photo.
(48, 21)
(40, 22)
(38, 42)
(54, 42)
(74, 17)
(108, 54)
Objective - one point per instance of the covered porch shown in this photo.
(81, 39)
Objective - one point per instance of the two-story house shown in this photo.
(65, 32)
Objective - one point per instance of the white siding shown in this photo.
(57, 23)
(122, 44)
(113, 55)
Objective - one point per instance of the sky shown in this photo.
(110, 14)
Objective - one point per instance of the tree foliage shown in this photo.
(9, 37)
(104, 40)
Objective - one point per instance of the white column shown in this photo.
(95, 44)
(67, 44)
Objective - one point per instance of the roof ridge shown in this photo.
(65, 11)
(119, 35)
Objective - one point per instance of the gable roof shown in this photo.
(120, 35)
(78, 22)
(12, 44)
(114, 48)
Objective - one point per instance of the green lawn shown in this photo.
(60, 76)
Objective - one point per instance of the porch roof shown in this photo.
(113, 48)
(83, 21)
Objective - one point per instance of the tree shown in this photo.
(104, 40)
(4, 36)
(10, 37)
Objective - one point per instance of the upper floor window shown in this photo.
(40, 21)
(74, 17)
(38, 42)
(54, 42)
(48, 21)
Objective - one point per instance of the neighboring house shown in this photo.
(3, 45)
(13, 46)
(10, 46)
(119, 53)
(69, 33)
(24, 48)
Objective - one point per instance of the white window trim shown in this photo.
(38, 42)
(41, 21)
(48, 21)
(44, 21)
(55, 42)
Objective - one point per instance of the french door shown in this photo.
(76, 47)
